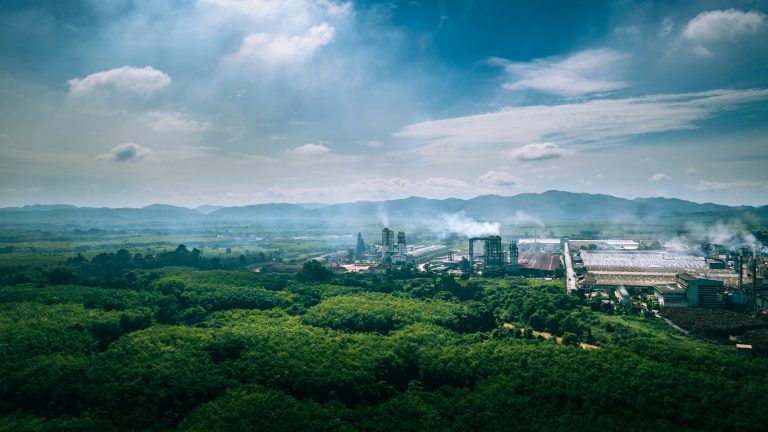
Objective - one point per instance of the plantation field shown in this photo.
(145, 343)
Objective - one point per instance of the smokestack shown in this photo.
(387, 245)
(754, 281)
(471, 256)
(401, 243)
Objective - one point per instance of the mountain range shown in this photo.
(521, 209)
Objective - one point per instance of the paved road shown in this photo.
(570, 277)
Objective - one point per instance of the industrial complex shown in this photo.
(622, 270)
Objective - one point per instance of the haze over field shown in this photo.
(236, 102)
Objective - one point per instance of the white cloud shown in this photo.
(659, 177)
(260, 8)
(498, 180)
(127, 79)
(128, 152)
(709, 186)
(586, 72)
(595, 122)
(174, 122)
(444, 183)
(374, 144)
(689, 171)
(272, 49)
(268, 10)
(538, 151)
(667, 24)
(724, 25)
(312, 154)
(702, 51)
(308, 150)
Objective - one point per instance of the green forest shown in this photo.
(177, 341)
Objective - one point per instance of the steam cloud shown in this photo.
(732, 235)
(463, 224)
(381, 213)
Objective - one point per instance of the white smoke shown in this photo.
(732, 235)
(525, 219)
(678, 244)
(383, 215)
(463, 224)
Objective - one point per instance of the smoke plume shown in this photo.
(733, 235)
(463, 224)
(381, 213)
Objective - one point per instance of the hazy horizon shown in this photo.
(317, 203)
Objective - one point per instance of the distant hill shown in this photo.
(526, 208)
(208, 209)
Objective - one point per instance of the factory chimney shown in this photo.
(360, 249)
(401, 243)
(387, 245)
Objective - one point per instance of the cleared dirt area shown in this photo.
(547, 335)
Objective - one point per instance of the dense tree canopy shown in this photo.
(198, 349)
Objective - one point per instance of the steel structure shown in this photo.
(493, 252)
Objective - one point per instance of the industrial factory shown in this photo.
(400, 253)
(674, 279)
(541, 257)
(623, 268)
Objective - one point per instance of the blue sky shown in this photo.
(232, 102)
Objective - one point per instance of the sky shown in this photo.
(125, 103)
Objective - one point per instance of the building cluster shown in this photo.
(673, 279)
(691, 291)
(400, 253)
(641, 270)
(529, 257)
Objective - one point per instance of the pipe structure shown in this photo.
(754, 282)
(741, 274)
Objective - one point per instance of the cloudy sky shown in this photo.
(232, 102)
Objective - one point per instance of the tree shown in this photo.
(60, 276)
(313, 271)
(570, 339)
(536, 321)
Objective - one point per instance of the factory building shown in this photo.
(387, 245)
(426, 253)
(513, 264)
(691, 291)
(671, 295)
(540, 244)
(400, 253)
(642, 271)
(400, 256)
(610, 244)
(493, 252)
(539, 264)
(360, 247)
